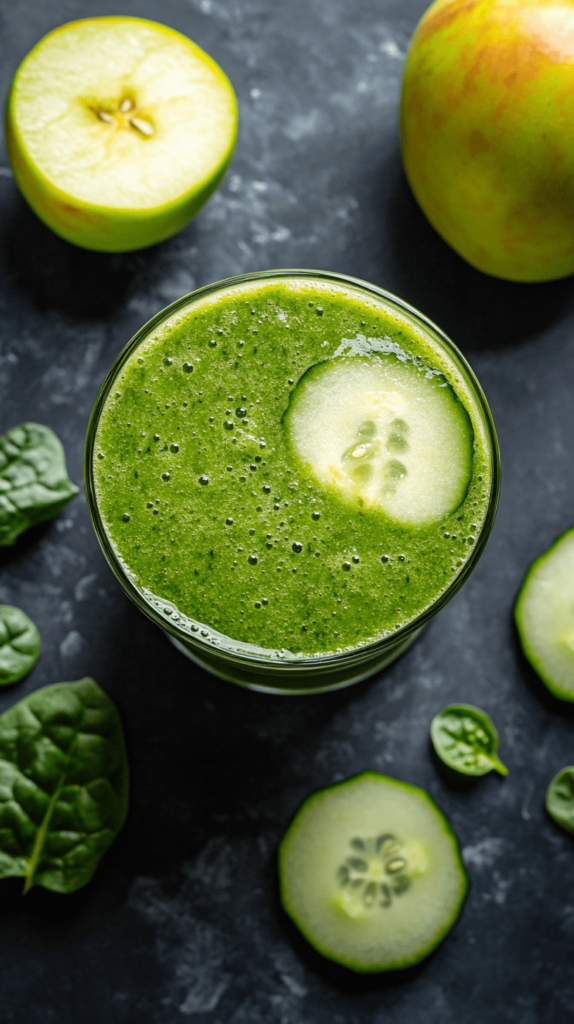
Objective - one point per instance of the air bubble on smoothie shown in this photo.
(252, 559)
(166, 476)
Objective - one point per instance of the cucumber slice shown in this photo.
(544, 615)
(383, 431)
(371, 873)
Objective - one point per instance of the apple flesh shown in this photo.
(487, 132)
(118, 130)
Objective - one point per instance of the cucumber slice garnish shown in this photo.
(383, 431)
(371, 873)
(544, 615)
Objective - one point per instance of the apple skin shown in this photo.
(107, 229)
(487, 132)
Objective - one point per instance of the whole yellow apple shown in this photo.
(487, 132)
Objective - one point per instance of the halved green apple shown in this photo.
(118, 130)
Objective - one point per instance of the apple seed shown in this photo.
(142, 126)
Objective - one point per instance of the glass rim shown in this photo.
(237, 650)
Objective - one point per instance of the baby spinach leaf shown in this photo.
(465, 739)
(560, 798)
(63, 785)
(19, 644)
(34, 484)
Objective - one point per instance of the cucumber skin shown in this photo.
(352, 964)
(556, 691)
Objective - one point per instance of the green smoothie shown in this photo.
(294, 464)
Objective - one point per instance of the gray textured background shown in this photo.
(182, 919)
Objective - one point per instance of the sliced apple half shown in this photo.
(118, 130)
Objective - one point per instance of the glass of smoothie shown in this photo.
(290, 472)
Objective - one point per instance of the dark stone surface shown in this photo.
(182, 918)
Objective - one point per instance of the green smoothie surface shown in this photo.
(220, 523)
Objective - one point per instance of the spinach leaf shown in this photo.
(465, 739)
(19, 644)
(63, 785)
(34, 484)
